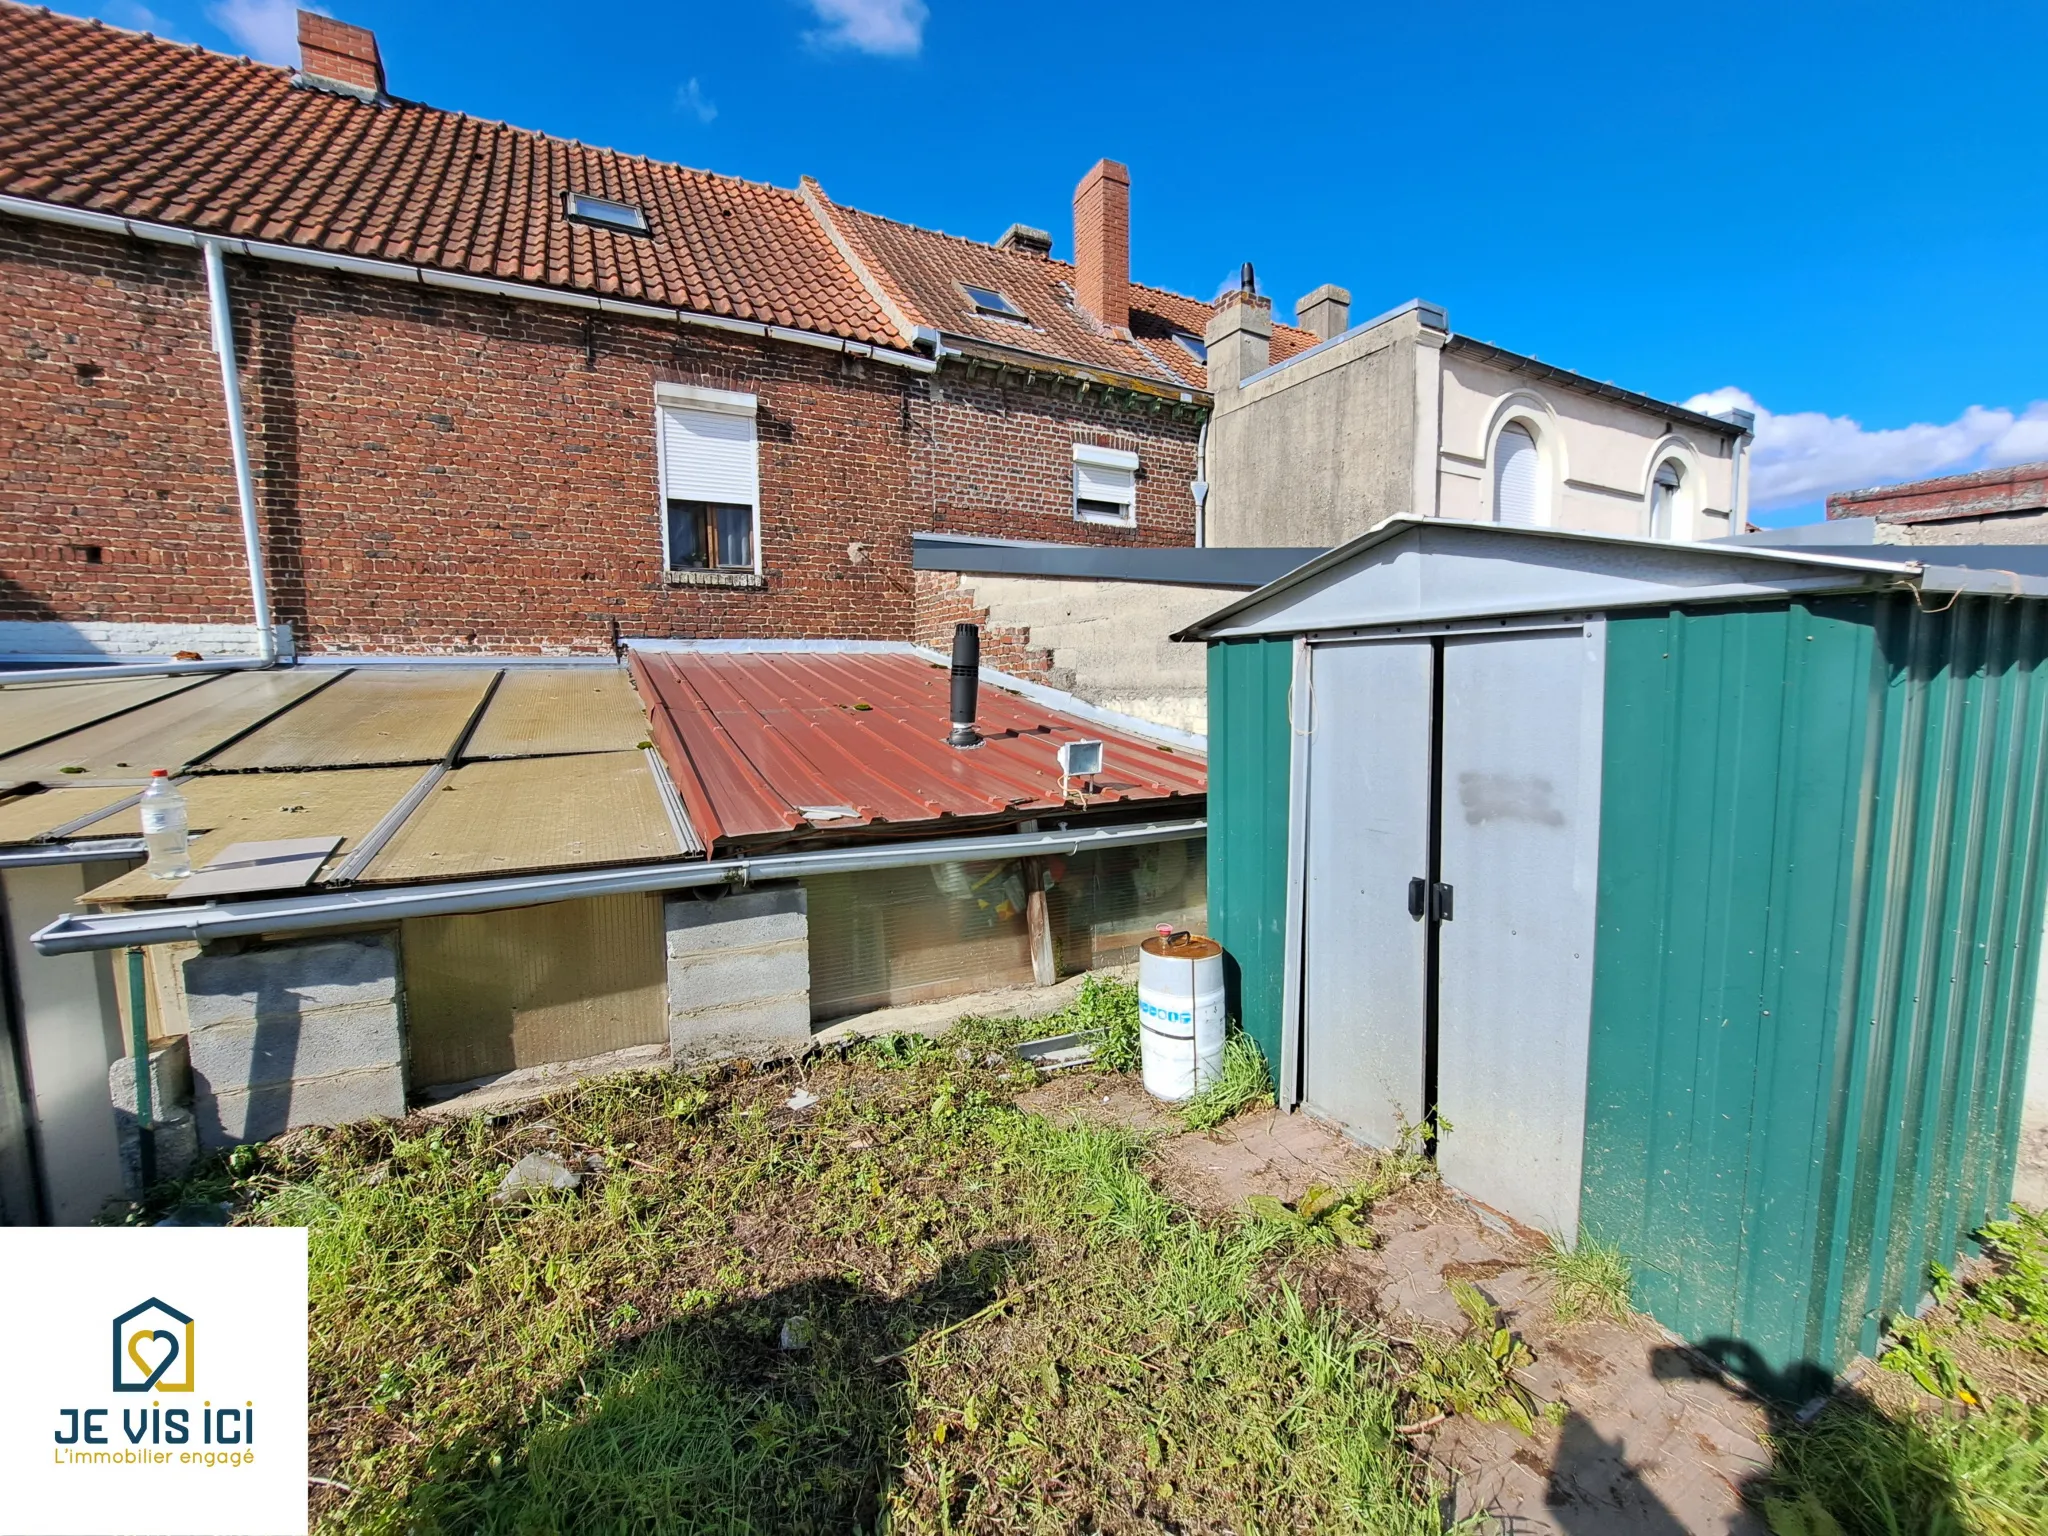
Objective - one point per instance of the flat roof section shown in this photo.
(518, 815)
(36, 712)
(172, 732)
(771, 743)
(24, 818)
(538, 713)
(366, 719)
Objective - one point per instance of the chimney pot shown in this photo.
(1026, 241)
(1102, 244)
(1326, 311)
(333, 53)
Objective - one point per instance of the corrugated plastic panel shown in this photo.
(368, 718)
(537, 712)
(757, 741)
(170, 733)
(1250, 754)
(488, 992)
(1820, 905)
(495, 818)
(28, 817)
(243, 808)
(33, 712)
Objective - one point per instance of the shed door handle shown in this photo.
(1418, 898)
(1440, 898)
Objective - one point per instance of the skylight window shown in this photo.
(604, 213)
(1193, 345)
(993, 302)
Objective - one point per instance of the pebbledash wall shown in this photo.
(438, 472)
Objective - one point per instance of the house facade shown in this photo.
(1987, 506)
(1400, 415)
(502, 392)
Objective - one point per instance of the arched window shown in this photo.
(1517, 478)
(1665, 487)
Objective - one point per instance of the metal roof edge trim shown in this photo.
(1517, 362)
(433, 277)
(740, 647)
(1401, 522)
(1081, 709)
(73, 853)
(73, 933)
(1434, 316)
(1159, 564)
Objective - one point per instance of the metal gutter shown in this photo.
(74, 933)
(223, 325)
(74, 853)
(1169, 565)
(87, 672)
(406, 272)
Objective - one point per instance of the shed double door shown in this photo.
(1452, 807)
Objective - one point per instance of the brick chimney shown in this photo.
(1327, 311)
(1102, 244)
(1239, 337)
(336, 55)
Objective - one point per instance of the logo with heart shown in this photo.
(153, 1349)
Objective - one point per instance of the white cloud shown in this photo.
(266, 29)
(891, 27)
(690, 98)
(1803, 455)
(140, 18)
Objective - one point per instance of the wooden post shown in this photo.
(1038, 924)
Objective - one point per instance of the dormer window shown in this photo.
(602, 212)
(995, 304)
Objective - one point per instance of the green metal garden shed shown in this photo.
(1694, 891)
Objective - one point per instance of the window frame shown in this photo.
(723, 402)
(1010, 314)
(1105, 458)
(585, 208)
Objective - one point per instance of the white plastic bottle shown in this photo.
(164, 828)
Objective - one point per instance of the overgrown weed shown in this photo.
(1591, 1279)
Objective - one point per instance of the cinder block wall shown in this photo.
(739, 974)
(290, 1034)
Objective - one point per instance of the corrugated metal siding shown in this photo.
(486, 992)
(1249, 754)
(1821, 828)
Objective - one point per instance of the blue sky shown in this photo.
(1838, 214)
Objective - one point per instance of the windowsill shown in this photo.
(713, 579)
(1105, 522)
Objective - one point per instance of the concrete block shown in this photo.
(722, 980)
(766, 1028)
(270, 1109)
(289, 981)
(170, 1078)
(740, 920)
(276, 1050)
(176, 1142)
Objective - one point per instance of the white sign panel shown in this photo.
(156, 1380)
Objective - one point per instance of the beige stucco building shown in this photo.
(1402, 415)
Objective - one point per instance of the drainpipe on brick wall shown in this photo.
(1200, 488)
(238, 440)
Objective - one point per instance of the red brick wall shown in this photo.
(941, 604)
(438, 472)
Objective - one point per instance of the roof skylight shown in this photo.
(1194, 345)
(992, 301)
(602, 211)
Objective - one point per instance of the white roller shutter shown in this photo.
(1517, 482)
(1105, 475)
(709, 456)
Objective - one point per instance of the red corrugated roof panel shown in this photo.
(761, 742)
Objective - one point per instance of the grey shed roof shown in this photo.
(1417, 570)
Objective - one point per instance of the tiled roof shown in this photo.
(95, 117)
(98, 118)
(923, 271)
(769, 745)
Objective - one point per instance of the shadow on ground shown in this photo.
(786, 1412)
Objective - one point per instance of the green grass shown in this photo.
(1588, 1280)
(1950, 1438)
(1009, 1328)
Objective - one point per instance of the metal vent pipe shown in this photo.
(966, 685)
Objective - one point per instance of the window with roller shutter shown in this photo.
(1105, 486)
(710, 479)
